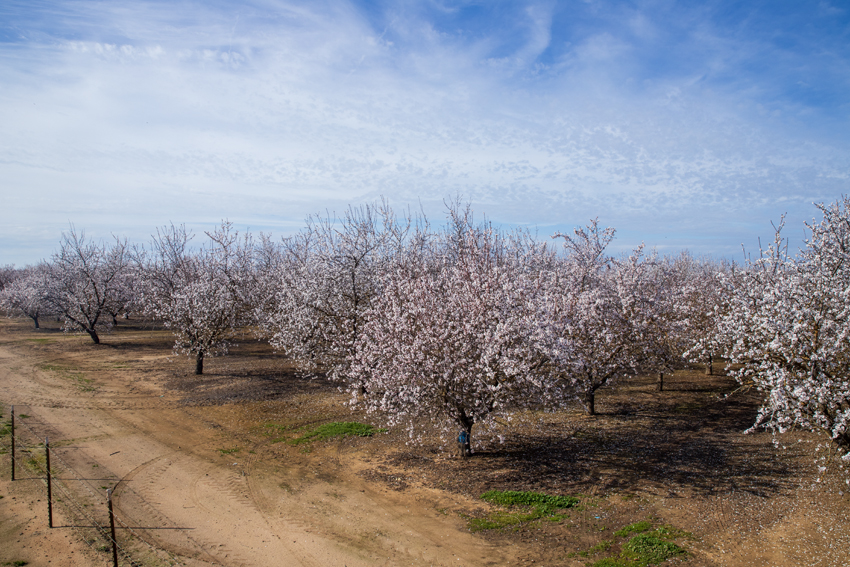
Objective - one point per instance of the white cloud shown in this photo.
(266, 112)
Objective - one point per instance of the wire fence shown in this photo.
(86, 506)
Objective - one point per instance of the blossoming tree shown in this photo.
(84, 281)
(446, 341)
(788, 327)
(199, 295)
(595, 317)
(27, 293)
(702, 301)
(326, 280)
(7, 274)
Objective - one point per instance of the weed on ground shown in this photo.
(338, 429)
(523, 507)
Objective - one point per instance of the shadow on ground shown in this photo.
(675, 443)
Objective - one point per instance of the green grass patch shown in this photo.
(612, 562)
(532, 506)
(669, 532)
(641, 550)
(40, 341)
(636, 528)
(228, 451)
(502, 519)
(337, 429)
(533, 499)
(649, 549)
(603, 545)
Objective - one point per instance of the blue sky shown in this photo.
(682, 124)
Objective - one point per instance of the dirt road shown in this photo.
(179, 488)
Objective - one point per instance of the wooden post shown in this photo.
(112, 528)
(13, 442)
(49, 487)
(660, 384)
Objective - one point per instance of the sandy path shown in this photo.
(239, 511)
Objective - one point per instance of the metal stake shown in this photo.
(49, 487)
(112, 528)
(13, 442)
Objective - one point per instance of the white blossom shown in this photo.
(26, 293)
(788, 326)
(446, 341)
(201, 296)
(84, 281)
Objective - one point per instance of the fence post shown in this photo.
(49, 487)
(13, 442)
(112, 527)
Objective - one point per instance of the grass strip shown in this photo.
(636, 528)
(534, 506)
(649, 549)
(644, 549)
(338, 429)
(534, 499)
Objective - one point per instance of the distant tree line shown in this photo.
(446, 328)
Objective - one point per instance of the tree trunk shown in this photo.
(843, 441)
(589, 401)
(35, 320)
(93, 334)
(199, 363)
(709, 368)
(660, 384)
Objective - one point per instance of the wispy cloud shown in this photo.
(683, 126)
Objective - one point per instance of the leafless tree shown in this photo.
(84, 278)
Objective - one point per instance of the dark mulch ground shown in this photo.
(678, 456)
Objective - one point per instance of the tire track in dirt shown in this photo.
(208, 513)
(100, 405)
(137, 498)
(227, 527)
(390, 528)
(213, 494)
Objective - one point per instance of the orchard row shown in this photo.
(447, 328)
